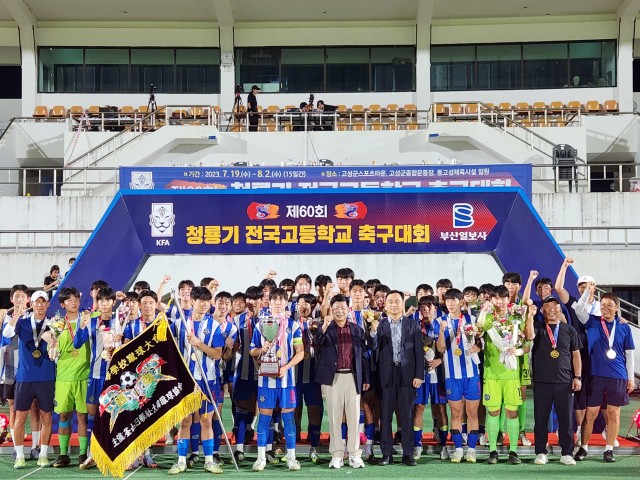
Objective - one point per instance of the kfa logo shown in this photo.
(462, 215)
(162, 220)
(141, 181)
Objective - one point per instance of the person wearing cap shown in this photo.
(557, 374)
(569, 301)
(35, 376)
(612, 367)
(252, 106)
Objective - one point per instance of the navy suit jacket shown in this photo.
(411, 357)
(326, 345)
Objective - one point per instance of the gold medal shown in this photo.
(193, 357)
(457, 352)
(554, 353)
(104, 354)
(36, 354)
(74, 353)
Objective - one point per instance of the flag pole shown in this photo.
(210, 398)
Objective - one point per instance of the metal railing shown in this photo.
(597, 236)
(43, 181)
(529, 117)
(49, 240)
(590, 177)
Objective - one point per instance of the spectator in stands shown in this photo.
(324, 122)
(53, 280)
(252, 106)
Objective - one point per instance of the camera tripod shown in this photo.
(152, 106)
(237, 115)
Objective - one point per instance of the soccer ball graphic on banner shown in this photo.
(127, 379)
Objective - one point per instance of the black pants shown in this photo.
(560, 396)
(253, 122)
(402, 397)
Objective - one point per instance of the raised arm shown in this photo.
(563, 295)
(526, 293)
(529, 331)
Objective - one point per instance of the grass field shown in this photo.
(429, 466)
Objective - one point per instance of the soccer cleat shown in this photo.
(217, 460)
(444, 453)
(524, 440)
(293, 465)
(259, 465)
(88, 464)
(513, 458)
(417, 452)
(336, 462)
(457, 456)
(193, 460)
(177, 468)
(608, 456)
(43, 461)
(483, 440)
(580, 455)
(371, 459)
(62, 461)
(313, 455)
(82, 458)
(542, 459)
(271, 457)
(35, 453)
(493, 458)
(470, 457)
(500, 440)
(356, 462)
(211, 467)
(239, 456)
(567, 460)
(20, 463)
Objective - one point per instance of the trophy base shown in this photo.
(270, 369)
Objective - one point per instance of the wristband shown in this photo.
(577, 377)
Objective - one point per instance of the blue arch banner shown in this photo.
(139, 223)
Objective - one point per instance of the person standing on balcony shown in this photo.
(252, 106)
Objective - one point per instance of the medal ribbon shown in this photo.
(68, 324)
(459, 330)
(36, 338)
(610, 336)
(553, 336)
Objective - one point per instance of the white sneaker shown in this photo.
(616, 443)
(542, 459)
(356, 462)
(444, 453)
(524, 440)
(313, 455)
(470, 457)
(567, 460)
(336, 462)
(457, 456)
(483, 440)
(259, 465)
(293, 465)
(417, 452)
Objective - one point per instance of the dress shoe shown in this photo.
(409, 460)
(385, 460)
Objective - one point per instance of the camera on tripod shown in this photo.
(239, 89)
(152, 89)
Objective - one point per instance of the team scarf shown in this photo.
(148, 389)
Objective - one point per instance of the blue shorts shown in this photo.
(218, 393)
(467, 388)
(94, 389)
(245, 390)
(272, 397)
(309, 393)
(433, 393)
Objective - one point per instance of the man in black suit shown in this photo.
(398, 341)
(343, 372)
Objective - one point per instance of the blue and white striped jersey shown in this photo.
(293, 336)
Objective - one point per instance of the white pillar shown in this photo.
(625, 64)
(423, 66)
(29, 70)
(227, 69)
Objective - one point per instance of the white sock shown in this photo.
(19, 449)
(208, 458)
(35, 439)
(312, 449)
(291, 453)
(182, 460)
(361, 428)
(262, 453)
(240, 447)
(253, 424)
(586, 448)
(470, 450)
(13, 439)
(458, 450)
(269, 447)
(44, 449)
(608, 447)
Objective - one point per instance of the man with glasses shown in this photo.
(612, 367)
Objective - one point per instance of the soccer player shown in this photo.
(90, 330)
(205, 343)
(501, 385)
(245, 389)
(308, 391)
(612, 367)
(72, 374)
(280, 390)
(35, 375)
(442, 286)
(433, 389)
(461, 372)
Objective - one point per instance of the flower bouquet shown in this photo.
(4, 428)
(469, 340)
(429, 350)
(108, 341)
(56, 325)
(504, 332)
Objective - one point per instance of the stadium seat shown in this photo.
(505, 106)
(289, 107)
(339, 108)
(58, 112)
(392, 107)
(40, 111)
(456, 109)
(199, 112)
(593, 106)
(575, 106)
(126, 109)
(93, 111)
(471, 108)
(441, 110)
(488, 105)
(144, 109)
(374, 108)
(75, 110)
(611, 106)
(410, 107)
(556, 107)
(539, 107)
